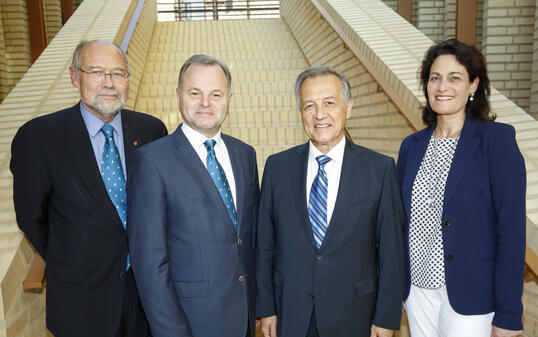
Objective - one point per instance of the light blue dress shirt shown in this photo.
(97, 138)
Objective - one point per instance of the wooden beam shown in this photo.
(466, 12)
(405, 9)
(67, 10)
(36, 27)
(35, 279)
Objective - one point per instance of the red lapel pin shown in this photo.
(135, 143)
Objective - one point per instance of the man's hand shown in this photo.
(376, 331)
(268, 326)
(500, 332)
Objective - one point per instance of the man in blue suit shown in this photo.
(193, 200)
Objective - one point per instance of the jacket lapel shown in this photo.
(297, 174)
(467, 145)
(345, 191)
(131, 135)
(415, 154)
(79, 148)
(190, 160)
(239, 177)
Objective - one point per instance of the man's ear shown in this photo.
(75, 81)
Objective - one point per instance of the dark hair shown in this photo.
(316, 71)
(201, 59)
(475, 64)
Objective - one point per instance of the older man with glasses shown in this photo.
(69, 172)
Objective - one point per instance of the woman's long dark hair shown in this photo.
(475, 64)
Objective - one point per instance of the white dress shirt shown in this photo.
(197, 141)
(333, 169)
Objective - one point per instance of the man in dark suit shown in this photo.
(69, 194)
(329, 254)
(193, 201)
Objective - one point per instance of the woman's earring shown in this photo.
(471, 97)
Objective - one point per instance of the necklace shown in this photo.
(434, 174)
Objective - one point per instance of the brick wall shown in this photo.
(429, 18)
(507, 44)
(3, 66)
(17, 44)
(533, 110)
(53, 18)
(449, 19)
(479, 23)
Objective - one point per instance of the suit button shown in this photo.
(318, 257)
(311, 295)
(449, 257)
(446, 223)
(239, 241)
(241, 278)
(122, 274)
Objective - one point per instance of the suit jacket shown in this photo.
(63, 208)
(483, 219)
(353, 280)
(194, 272)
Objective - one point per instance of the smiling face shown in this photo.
(204, 98)
(102, 98)
(324, 111)
(449, 87)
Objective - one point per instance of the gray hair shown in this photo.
(201, 59)
(75, 62)
(316, 71)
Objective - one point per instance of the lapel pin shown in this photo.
(135, 143)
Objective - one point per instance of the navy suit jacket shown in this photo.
(483, 219)
(353, 279)
(63, 208)
(194, 272)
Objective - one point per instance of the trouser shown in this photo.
(430, 314)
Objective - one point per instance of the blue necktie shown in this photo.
(219, 178)
(112, 174)
(317, 205)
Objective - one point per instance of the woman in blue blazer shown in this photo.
(463, 184)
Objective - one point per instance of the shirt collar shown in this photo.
(94, 124)
(196, 138)
(336, 153)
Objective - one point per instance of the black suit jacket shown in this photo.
(63, 208)
(355, 279)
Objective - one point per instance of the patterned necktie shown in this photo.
(219, 178)
(112, 174)
(317, 205)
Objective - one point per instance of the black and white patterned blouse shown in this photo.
(425, 234)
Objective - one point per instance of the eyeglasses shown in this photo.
(100, 75)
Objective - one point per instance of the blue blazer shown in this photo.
(355, 278)
(194, 272)
(483, 219)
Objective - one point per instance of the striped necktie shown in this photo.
(219, 178)
(317, 205)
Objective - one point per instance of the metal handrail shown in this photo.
(183, 10)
